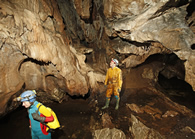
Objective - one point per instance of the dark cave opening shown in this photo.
(77, 97)
(193, 47)
(190, 8)
(171, 79)
(178, 91)
(174, 84)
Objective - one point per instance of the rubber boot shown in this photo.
(117, 104)
(107, 104)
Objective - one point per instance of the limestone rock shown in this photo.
(10, 78)
(106, 121)
(170, 113)
(35, 47)
(140, 131)
(83, 8)
(107, 133)
(152, 23)
(135, 108)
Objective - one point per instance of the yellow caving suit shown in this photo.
(114, 81)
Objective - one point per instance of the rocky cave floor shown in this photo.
(80, 117)
(167, 107)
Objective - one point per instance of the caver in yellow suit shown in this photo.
(114, 83)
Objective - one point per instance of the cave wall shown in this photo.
(34, 45)
(133, 30)
(60, 47)
(161, 24)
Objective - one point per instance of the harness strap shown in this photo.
(43, 122)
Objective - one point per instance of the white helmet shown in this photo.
(115, 61)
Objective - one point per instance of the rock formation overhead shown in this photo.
(64, 46)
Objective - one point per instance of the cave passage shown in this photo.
(80, 116)
(178, 90)
(171, 79)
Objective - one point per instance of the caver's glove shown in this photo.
(37, 117)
